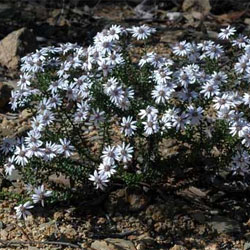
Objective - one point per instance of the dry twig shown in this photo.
(7, 243)
(114, 235)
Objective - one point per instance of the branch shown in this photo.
(114, 235)
(10, 243)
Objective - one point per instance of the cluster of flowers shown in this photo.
(111, 154)
(25, 148)
(37, 195)
(181, 89)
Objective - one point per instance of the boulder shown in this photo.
(16, 45)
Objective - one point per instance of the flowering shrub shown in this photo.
(100, 113)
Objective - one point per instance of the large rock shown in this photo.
(113, 244)
(16, 45)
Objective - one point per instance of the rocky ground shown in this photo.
(125, 219)
(122, 219)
